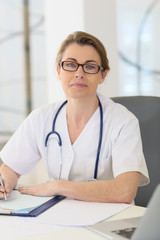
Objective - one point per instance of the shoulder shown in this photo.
(112, 107)
(115, 113)
(44, 112)
(40, 118)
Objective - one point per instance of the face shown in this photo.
(79, 84)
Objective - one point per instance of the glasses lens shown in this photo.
(87, 68)
(69, 66)
(91, 68)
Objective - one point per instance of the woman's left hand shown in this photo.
(44, 189)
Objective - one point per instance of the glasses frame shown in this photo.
(100, 68)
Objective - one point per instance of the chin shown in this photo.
(77, 95)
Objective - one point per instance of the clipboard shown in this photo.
(34, 212)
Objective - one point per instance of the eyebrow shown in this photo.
(75, 60)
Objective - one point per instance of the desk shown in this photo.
(79, 233)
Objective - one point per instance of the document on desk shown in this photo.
(79, 213)
(68, 212)
(24, 205)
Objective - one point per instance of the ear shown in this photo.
(58, 71)
(104, 74)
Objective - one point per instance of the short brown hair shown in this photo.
(83, 38)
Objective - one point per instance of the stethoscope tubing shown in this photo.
(100, 140)
(60, 140)
(53, 127)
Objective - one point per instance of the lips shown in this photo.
(79, 85)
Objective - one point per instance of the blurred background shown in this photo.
(31, 32)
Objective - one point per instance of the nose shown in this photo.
(79, 72)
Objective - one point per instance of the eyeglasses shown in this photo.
(87, 67)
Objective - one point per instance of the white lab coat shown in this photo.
(121, 149)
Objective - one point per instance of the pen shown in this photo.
(1, 182)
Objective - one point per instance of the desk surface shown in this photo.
(80, 233)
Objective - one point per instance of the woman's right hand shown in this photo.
(10, 179)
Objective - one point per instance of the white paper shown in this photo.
(18, 201)
(70, 212)
(65, 213)
(12, 228)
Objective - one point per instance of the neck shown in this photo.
(81, 109)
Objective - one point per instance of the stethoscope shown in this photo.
(60, 139)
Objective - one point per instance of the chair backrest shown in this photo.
(147, 110)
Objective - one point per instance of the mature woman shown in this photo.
(91, 146)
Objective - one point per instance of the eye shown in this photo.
(70, 64)
(90, 67)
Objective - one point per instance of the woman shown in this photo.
(88, 127)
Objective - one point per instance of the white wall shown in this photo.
(100, 20)
(96, 17)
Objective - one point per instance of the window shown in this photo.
(21, 64)
(138, 45)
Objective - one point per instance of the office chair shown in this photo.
(147, 110)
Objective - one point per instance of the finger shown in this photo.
(1, 189)
(1, 195)
(26, 190)
(8, 190)
(36, 190)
